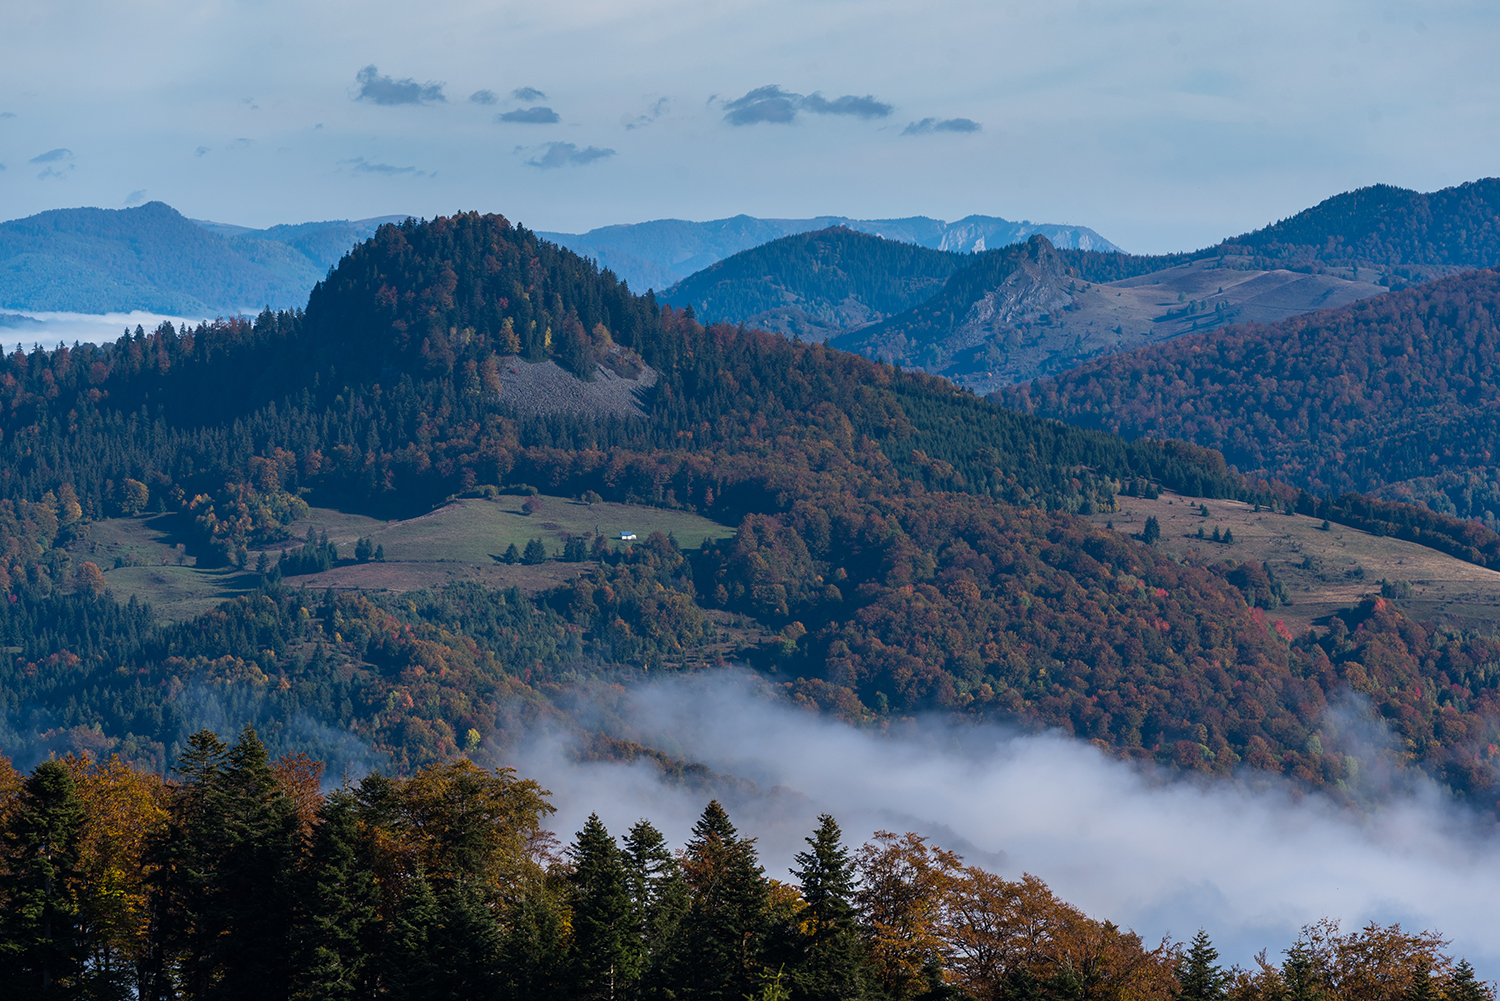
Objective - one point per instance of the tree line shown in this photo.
(240, 877)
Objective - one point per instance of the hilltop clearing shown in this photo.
(1325, 571)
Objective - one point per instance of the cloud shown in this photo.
(528, 94)
(53, 156)
(385, 90)
(652, 114)
(772, 104)
(201, 151)
(136, 197)
(483, 97)
(763, 104)
(859, 107)
(927, 126)
(530, 116)
(567, 155)
(1252, 860)
(364, 166)
(7, 114)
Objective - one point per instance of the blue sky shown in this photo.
(1163, 125)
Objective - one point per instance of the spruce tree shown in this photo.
(41, 944)
(465, 944)
(532, 956)
(253, 904)
(659, 901)
(338, 909)
(1301, 975)
(1198, 975)
(408, 969)
(724, 931)
(1462, 985)
(605, 958)
(828, 952)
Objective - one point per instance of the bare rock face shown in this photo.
(1029, 294)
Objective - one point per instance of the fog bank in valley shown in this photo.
(1251, 862)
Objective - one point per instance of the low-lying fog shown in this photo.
(1252, 865)
(22, 328)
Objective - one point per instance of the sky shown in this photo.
(1162, 125)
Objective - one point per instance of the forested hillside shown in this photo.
(816, 285)
(905, 545)
(239, 877)
(1013, 315)
(1394, 396)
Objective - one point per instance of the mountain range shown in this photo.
(658, 254)
(1025, 311)
(152, 258)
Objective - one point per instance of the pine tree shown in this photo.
(1198, 975)
(829, 954)
(41, 944)
(536, 552)
(605, 957)
(1152, 532)
(726, 922)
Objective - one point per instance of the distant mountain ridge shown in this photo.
(816, 285)
(92, 260)
(662, 252)
(985, 331)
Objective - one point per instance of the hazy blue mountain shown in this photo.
(817, 285)
(90, 260)
(660, 253)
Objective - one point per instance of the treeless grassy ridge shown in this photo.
(1325, 572)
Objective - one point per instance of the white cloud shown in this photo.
(1251, 863)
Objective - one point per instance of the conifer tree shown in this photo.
(41, 945)
(407, 967)
(659, 901)
(253, 905)
(1198, 975)
(465, 944)
(725, 927)
(532, 956)
(1301, 975)
(1462, 985)
(605, 957)
(338, 910)
(829, 954)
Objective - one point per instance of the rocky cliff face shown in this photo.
(1036, 289)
